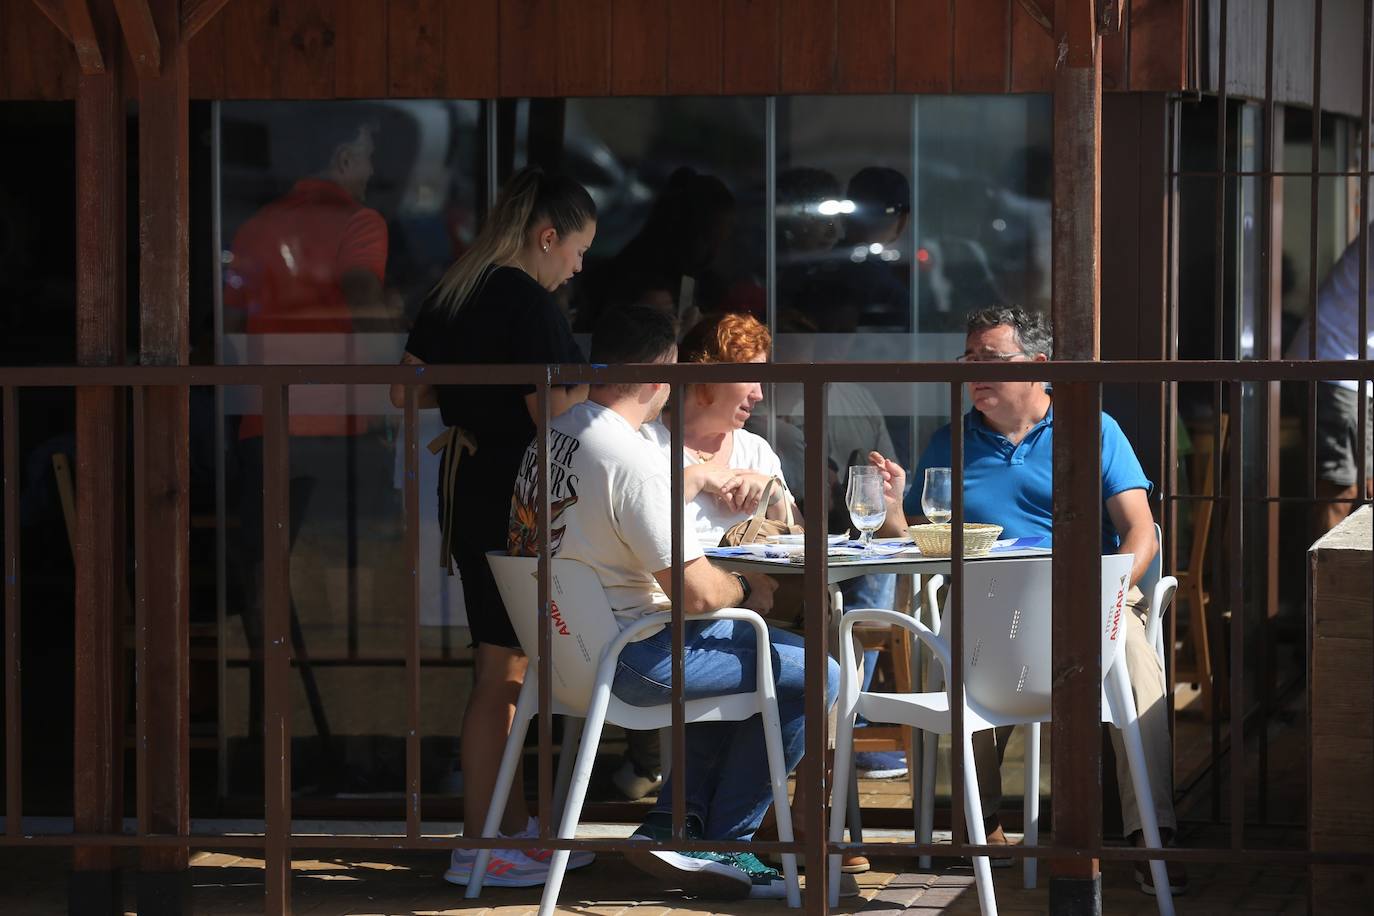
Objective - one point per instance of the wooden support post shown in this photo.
(164, 188)
(100, 589)
(1076, 884)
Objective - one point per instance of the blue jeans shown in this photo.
(727, 762)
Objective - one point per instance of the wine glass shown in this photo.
(864, 498)
(935, 498)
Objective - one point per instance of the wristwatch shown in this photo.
(744, 587)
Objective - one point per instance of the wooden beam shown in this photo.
(196, 15)
(83, 36)
(56, 15)
(1032, 8)
(140, 34)
(1076, 769)
(164, 536)
(99, 541)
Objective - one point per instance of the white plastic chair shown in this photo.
(1007, 651)
(1160, 589)
(587, 641)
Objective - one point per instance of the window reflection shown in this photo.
(893, 217)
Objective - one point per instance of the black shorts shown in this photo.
(482, 497)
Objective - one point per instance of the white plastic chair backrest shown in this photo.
(1007, 633)
(583, 622)
(1007, 638)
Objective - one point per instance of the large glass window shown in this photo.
(857, 228)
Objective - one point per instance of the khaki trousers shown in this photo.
(1151, 701)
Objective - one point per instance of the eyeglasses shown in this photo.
(986, 357)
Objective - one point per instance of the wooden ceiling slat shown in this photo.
(695, 31)
(924, 45)
(471, 46)
(415, 49)
(584, 47)
(807, 46)
(981, 45)
(1032, 53)
(865, 53)
(250, 55)
(639, 47)
(361, 41)
(307, 48)
(529, 47)
(205, 61)
(750, 48)
(1157, 59)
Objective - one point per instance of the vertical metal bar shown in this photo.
(221, 489)
(770, 203)
(14, 733)
(1314, 204)
(1171, 399)
(412, 520)
(141, 562)
(1236, 598)
(1268, 348)
(770, 248)
(276, 646)
(547, 816)
(816, 657)
(955, 618)
(1362, 239)
(491, 187)
(677, 702)
(1218, 338)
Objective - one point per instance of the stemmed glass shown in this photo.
(935, 498)
(864, 498)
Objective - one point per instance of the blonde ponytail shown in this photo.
(527, 197)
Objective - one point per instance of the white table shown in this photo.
(903, 564)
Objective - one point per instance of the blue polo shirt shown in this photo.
(1012, 485)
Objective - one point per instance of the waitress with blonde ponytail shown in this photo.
(495, 306)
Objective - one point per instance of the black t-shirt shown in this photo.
(509, 319)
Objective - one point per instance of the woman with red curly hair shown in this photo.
(726, 467)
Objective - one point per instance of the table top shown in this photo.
(901, 557)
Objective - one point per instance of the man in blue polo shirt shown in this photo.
(1008, 471)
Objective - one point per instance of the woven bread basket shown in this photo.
(934, 540)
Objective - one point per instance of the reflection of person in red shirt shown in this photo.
(311, 263)
(303, 279)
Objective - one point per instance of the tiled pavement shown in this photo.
(409, 883)
(33, 881)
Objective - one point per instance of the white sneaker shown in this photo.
(505, 868)
(632, 784)
(578, 858)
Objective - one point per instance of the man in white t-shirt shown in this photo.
(1336, 427)
(612, 510)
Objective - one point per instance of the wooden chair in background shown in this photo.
(1208, 657)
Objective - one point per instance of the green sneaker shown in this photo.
(765, 882)
(698, 874)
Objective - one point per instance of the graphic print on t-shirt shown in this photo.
(523, 537)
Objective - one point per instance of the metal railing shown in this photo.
(1082, 380)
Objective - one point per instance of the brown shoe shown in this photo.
(850, 863)
(1178, 874)
(997, 837)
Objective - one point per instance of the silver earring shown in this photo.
(546, 249)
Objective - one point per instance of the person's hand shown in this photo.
(746, 492)
(894, 478)
(761, 589)
(718, 481)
